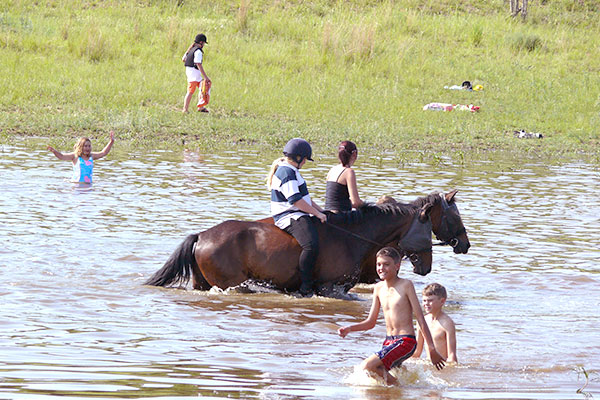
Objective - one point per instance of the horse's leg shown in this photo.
(198, 280)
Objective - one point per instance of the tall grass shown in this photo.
(326, 70)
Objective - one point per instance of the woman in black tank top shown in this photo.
(341, 193)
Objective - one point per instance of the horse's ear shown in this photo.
(424, 212)
(450, 196)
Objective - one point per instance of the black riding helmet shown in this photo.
(298, 148)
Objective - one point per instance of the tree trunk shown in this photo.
(515, 9)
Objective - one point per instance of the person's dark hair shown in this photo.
(390, 252)
(345, 151)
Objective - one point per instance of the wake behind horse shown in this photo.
(235, 251)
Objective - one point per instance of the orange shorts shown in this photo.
(192, 86)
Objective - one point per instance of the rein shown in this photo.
(339, 228)
(355, 234)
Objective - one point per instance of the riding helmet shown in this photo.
(298, 147)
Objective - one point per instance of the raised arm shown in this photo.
(353, 188)
(106, 148)
(368, 323)
(436, 359)
(62, 156)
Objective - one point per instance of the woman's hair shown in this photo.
(78, 148)
(269, 178)
(345, 151)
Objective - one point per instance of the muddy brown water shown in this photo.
(76, 321)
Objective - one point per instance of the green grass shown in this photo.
(322, 70)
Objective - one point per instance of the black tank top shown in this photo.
(337, 197)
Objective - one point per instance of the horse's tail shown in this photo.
(177, 269)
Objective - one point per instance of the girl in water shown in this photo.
(292, 207)
(341, 193)
(83, 158)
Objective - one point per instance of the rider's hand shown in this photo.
(322, 217)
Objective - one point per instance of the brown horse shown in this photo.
(234, 251)
(446, 224)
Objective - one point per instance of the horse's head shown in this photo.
(447, 224)
(416, 242)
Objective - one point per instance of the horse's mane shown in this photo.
(432, 199)
(395, 208)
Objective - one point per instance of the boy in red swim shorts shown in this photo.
(398, 299)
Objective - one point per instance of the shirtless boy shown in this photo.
(440, 324)
(398, 299)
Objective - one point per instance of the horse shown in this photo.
(446, 224)
(234, 251)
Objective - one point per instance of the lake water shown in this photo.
(76, 321)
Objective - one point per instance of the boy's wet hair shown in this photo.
(435, 289)
(391, 253)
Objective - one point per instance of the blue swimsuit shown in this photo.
(82, 170)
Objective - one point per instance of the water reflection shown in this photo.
(181, 378)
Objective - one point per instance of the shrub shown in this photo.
(526, 41)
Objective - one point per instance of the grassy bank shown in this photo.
(323, 70)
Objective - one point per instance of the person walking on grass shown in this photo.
(83, 158)
(196, 76)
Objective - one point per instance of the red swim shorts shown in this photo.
(396, 349)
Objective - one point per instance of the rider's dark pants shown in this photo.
(305, 232)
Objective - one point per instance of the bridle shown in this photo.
(406, 244)
(444, 230)
(413, 240)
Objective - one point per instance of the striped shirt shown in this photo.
(287, 187)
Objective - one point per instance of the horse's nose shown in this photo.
(462, 248)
